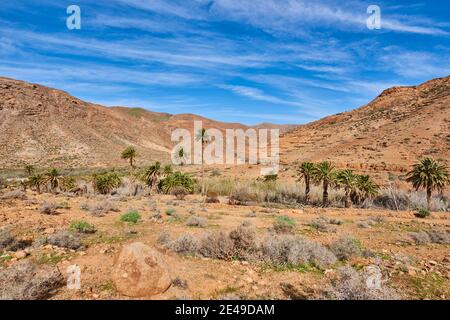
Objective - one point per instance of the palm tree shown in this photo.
(181, 156)
(429, 175)
(306, 172)
(36, 181)
(324, 172)
(129, 153)
(152, 175)
(29, 169)
(366, 188)
(347, 179)
(167, 170)
(54, 179)
(203, 137)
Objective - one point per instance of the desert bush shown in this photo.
(185, 244)
(131, 216)
(432, 236)
(14, 194)
(284, 224)
(100, 209)
(24, 280)
(130, 187)
(295, 250)
(49, 208)
(164, 238)
(244, 240)
(217, 245)
(422, 213)
(346, 248)
(106, 182)
(63, 239)
(323, 224)
(170, 211)
(396, 199)
(6, 239)
(212, 197)
(179, 192)
(194, 221)
(351, 285)
(182, 284)
(82, 227)
(371, 221)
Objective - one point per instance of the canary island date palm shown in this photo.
(324, 173)
(430, 175)
(130, 154)
(152, 175)
(366, 188)
(54, 180)
(347, 180)
(181, 156)
(306, 171)
(203, 137)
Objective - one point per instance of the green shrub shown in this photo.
(82, 227)
(284, 224)
(106, 182)
(170, 212)
(422, 213)
(131, 216)
(176, 180)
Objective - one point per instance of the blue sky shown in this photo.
(250, 61)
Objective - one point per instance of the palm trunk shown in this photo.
(325, 194)
(131, 162)
(307, 189)
(347, 200)
(429, 198)
(202, 175)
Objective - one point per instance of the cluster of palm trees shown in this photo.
(52, 180)
(357, 188)
(427, 174)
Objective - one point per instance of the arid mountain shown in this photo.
(49, 127)
(386, 135)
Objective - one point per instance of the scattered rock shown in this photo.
(140, 271)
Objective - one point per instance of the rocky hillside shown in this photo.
(49, 127)
(388, 134)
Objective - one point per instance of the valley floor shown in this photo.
(416, 271)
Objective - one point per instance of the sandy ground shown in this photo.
(417, 271)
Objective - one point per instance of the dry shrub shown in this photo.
(216, 245)
(99, 209)
(396, 199)
(432, 236)
(244, 240)
(26, 281)
(49, 208)
(64, 239)
(194, 221)
(14, 194)
(180, 283)
(6, 239)
(212, 197)
(351, 285)
(324, 224)
(179, 192)
(164, 238)
(185, 244)
(346, 247)
(371, 221)
(284, 224)
(295, 250)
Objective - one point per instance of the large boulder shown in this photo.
(140, 271)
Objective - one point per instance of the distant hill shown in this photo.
(49, 127)
(388, 134)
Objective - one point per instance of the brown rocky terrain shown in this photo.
(49, 127)
(388, 134)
